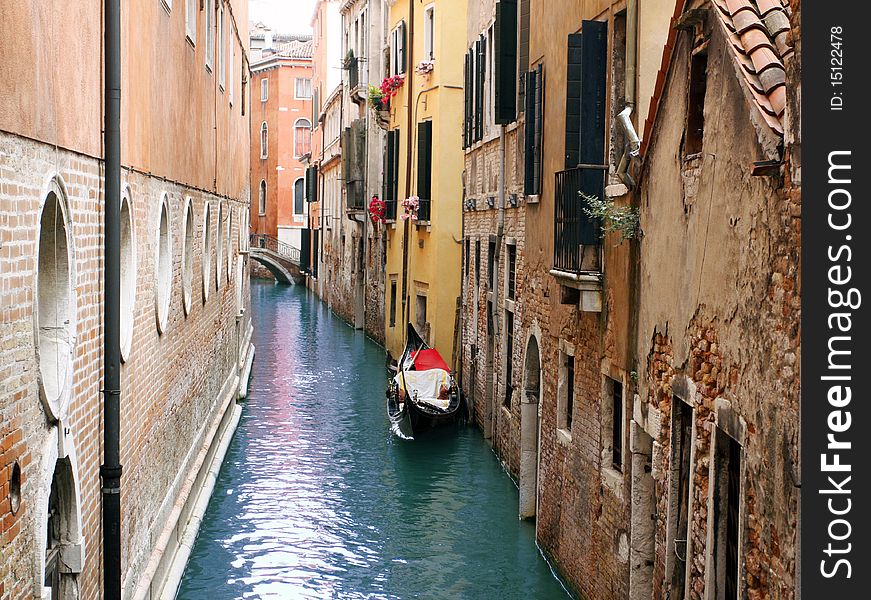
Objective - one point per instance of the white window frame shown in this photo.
(564, 433)
(264, 89)
(302, 213)
(296, 83)
(429, 32)
(264, 140)
(191, 8)
(261, 197)
(231, 55)
(396, 48)
(296, 127)
(210, 34)
(222, 59)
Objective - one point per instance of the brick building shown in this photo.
(494, 220)
(185, 325)
(281, 109)
(578, 343)
(363, 143)
(715, 429)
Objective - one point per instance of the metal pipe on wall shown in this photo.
(110, 470)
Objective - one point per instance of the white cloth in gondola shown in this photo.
(427, 385)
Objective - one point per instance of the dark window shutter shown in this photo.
(311, 184)
(534, 97)
(395, 192)
(346, 148)
(506, 61)
(424, 168)
(592, 134)
(402, 53)
(316, 239)
(305, 250)
(389, 199)
(573, 101)
(481, 50)
(466, 96)
(529, 136)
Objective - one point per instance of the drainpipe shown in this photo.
(110, 470)
(631, 49)
(409, 60)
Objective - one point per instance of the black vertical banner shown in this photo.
(836, 454)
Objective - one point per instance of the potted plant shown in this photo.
(424, 68)
(410, 205)
(377, 210)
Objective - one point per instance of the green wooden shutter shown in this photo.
(311, 184)
(305, 249)
(592, 134)
(506, 61)
(481, 53)
(424, 168)
(573, 101)
(402, 49)
(467, 94)
(539, 123)
(529, 136)
(390, 159)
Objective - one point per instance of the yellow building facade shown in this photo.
(425, 155)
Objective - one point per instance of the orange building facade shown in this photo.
(281, 122)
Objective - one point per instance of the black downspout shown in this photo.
(110, 470)
(410, 116)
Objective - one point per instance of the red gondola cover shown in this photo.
(427, 359)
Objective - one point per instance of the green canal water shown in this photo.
(316, 498)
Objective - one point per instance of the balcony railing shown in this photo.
(282, 249)
(573, 228)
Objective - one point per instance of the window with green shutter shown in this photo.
(506, 61)
(480, 66)
(534, 96)
(424, 169)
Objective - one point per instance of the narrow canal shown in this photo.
(316, 499)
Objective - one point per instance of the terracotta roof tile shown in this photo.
(758, 32)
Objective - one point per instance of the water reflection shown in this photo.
(317, 500)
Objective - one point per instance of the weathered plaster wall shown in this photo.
(720, 305)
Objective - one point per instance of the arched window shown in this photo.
(163, 266)
(187, 274)
(299, 196)
(264, 140)
(261, 207)
(128, 274)
(302, 137)
(207, 251)
(55, 302)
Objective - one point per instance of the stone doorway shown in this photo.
(529, 430)
(64, 552)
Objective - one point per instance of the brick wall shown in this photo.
(171, 383)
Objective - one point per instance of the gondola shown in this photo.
(423, 394)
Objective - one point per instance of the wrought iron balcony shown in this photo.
(577, 236)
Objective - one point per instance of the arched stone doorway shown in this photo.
(60, 528)
(529, 429)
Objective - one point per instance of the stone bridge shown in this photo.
(280, 258)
